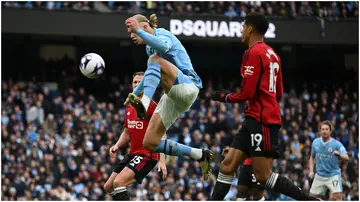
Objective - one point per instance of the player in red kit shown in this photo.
(136, 165)
(262, 88)
(247, 184)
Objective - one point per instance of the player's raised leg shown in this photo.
(177, 87)
(178, 79)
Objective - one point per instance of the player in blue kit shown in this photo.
(327, 151)
(170, 65)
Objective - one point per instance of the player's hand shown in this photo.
(113, 150)
(225, 151)
(311, 174)
(336, 153)
(132, 24)
(162, 168)
(219, 95)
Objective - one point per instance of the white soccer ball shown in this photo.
(92, 65)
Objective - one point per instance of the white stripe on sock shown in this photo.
(226, 179)
(262, 199)
(119, 190)
(271, 181)
(241, 199)
(112, 193)
(145, 101)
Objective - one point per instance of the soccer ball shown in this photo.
(92, 65)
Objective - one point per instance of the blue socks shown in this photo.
(151, 82)
(173, 148)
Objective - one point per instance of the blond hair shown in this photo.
(153, 22)
(328, 123)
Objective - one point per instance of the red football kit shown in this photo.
(137, 129)
(261, 85)
(248, 162)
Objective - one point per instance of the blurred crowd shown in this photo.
(55, 143)
(51, 5)
(290, 9)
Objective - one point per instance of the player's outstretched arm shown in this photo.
(312, 161)
(159, 43)
(311, 167)
(123, 140)
(248, 84)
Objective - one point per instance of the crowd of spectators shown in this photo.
(291, 9)
(51, 5)
(55, 143)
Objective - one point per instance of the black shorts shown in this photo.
(257, 140)
(246, 177)
(139, 163)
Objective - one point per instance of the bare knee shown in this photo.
(336, 196)
(108, 187)
(154, 58)
(226, 168)
(119, 182)
(151, 143)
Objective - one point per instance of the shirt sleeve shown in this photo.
(161, 43)
(313, 149)
(341, 148)
(250, 80)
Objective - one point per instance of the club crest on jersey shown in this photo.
(135, 124)
(330, 149)
(248, 70)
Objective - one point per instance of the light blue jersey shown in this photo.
(166, 45)
(327, 164)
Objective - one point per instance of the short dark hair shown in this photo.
(328, 123)
(138, 74)
(258, 21)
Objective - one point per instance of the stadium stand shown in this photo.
(64, 137)
(293, 10)
(55, 143)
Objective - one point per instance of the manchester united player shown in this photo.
(262, 87)
(247, 186)
(136, 165)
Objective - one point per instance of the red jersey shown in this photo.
(261, 85)
(137, 129)
(248, 162)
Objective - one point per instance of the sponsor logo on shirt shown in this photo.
(135, 124)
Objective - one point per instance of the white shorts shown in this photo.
(321, 184)
(177, 101)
